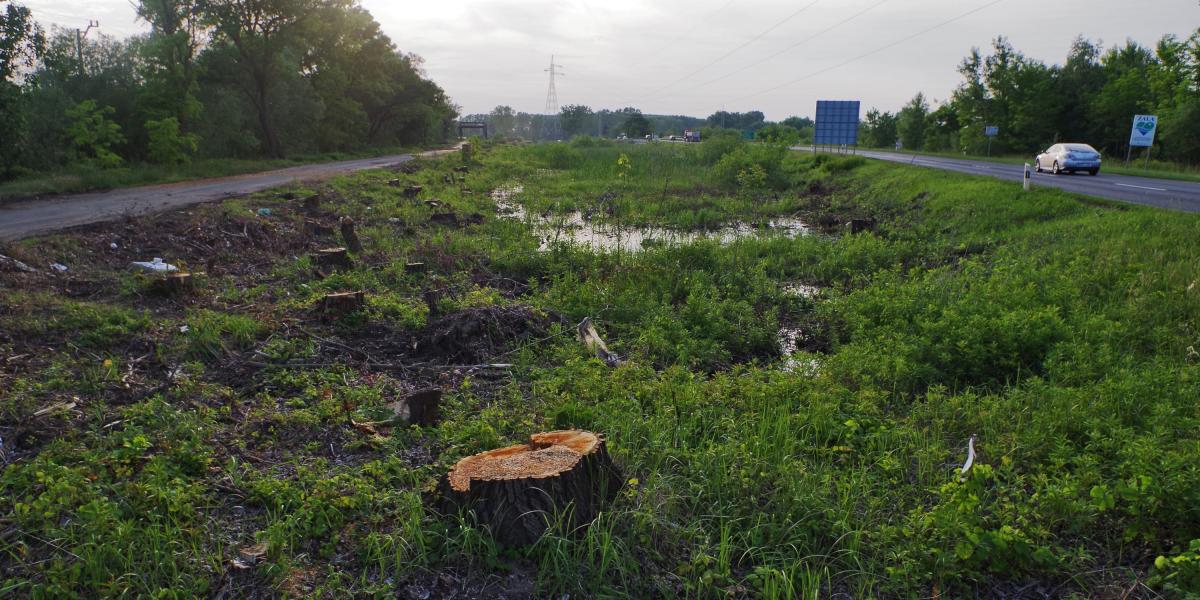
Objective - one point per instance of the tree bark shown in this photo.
(519, 492)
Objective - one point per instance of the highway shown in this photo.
(1162, 193)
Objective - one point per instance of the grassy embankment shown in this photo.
(175, 436)
(85, 178)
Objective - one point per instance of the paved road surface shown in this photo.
(1163, 193)
(43, 215)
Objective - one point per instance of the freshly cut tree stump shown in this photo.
(174, 284)
(412, 191)
(520, 491)
(332, 259)
(414, 267)
(342, 303)
(348, 234)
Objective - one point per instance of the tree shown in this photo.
(798, 123)
(635, 124)
(879, 129)
(93, 134)
(502, 120)
(576, 119)
(167, 144)
(177, 33)
(910, 122)
(260, 31)
(21, 44)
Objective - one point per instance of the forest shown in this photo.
(1090, 98)
(210, 79)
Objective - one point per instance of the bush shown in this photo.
(556, 156)
(93, 134)
(717, 143)
(730, 169)
(167, 145)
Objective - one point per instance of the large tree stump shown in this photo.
(520, 491)
(349, 235)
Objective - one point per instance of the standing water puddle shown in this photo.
(789, 337)
(574, 228)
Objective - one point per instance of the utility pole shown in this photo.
(79, 35)
(552, 95)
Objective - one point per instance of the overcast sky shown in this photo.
(699, 56)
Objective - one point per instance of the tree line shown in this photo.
(1090, 98)
(581, 120)
(212, 78)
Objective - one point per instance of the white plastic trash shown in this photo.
(155, 266)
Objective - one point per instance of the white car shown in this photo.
(1068, 158)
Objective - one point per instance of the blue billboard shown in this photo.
(837, 123)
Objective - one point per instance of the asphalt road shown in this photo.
(42, 215)
(1163, 193)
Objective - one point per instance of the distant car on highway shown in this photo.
(1068, 158)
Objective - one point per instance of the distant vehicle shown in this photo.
(622, 137)
(674, 138)
(691, 136)
(1068, 158)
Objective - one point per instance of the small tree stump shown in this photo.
(352, 242)
(466, 152)
(312, 204)
(519, 491)
(317, 228)
(424, 407)
(447, 218)
(177, 284)
(342, 303)
(332, 259)
(394, 183)
(412, 191)
(415, 267)
(860, 225)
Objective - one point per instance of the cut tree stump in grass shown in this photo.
(342, 303)
(348, 234)
(412, 191)
(518, 492)
(312, 204)
(317, 228)
(424, 407)
(414, 267)
(178, 284)
(331, 259)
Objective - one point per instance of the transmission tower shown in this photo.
(551, 93)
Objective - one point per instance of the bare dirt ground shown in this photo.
(43, 215)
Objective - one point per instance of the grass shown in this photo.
(1137, 167)
(208, 448)
(83, 178)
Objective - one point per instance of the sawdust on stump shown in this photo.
(518, 492)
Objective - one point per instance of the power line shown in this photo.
(733, 51)
(875, 51)
(679, 38)
(799, 43)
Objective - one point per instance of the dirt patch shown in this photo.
(474, 335)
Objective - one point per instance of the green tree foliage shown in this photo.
(910, 122)
(778, 133)
(1090, 98)
(93, 133)
(231, 78)
(752, 120)
(577, 119)
(635, 124)
(879, 129)
(167, 145)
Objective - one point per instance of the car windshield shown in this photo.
(1079, 148)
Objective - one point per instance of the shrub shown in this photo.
(93, 135)
(168, 146)
(749, 158)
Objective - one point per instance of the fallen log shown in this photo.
(518, 492)
(591, 339)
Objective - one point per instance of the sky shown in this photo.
(696, 57)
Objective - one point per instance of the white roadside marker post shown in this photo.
(1028, 174)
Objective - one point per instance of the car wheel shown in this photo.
(1094, 172)
(1055, 169)
(1037, 166)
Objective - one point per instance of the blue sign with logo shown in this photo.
(1143, 131)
